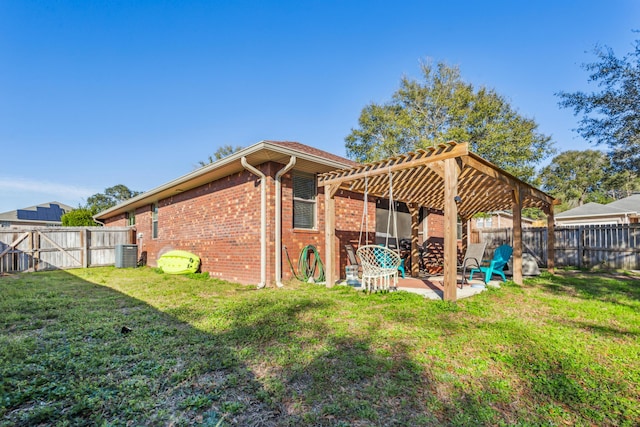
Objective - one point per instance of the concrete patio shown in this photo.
(432, 287)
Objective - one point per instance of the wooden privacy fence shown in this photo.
(611, 246)
(49, 248)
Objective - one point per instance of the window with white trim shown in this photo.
(154, 221)
(304, 200)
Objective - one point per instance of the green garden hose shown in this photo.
(310, 267)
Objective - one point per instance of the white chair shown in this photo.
(379, 266)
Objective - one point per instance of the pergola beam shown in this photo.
(488, 169)
(394, 164)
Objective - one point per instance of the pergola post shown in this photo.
(414, 211)
(330, 234)
(451, 173)
(517, 235)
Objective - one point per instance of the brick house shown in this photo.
(622, 211)
(498, 219)
(239, 213)
(216, 212)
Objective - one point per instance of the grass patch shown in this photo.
(560, 350)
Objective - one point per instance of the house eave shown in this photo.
(601, 215)
(257, 154)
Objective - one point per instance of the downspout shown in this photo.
(279, 174)
(263, 221)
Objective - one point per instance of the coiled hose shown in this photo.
(310, 266)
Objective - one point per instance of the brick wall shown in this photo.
(220, 222)
(349, 208)
(435, 224)
(348, 211)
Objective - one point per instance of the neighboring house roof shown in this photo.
(588, 209)
(627, 206)
(47, 213)
(308, 159)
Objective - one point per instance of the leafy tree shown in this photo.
(533, 213)
(577, 177)
(78, 217)
(611, 116)
(220, 153)
(622, 183)
(442, 107)
(111, 197)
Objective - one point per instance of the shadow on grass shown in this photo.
(607, 331)
(80, 353)
(270, 358)
(600, 286)
(565, 382)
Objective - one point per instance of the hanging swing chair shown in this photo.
(380, 264)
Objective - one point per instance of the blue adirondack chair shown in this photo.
(500, 258)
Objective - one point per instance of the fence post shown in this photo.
(31, 260)
(84, 243)
(580, 246)
(34, 247)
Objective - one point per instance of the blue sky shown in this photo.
(99, 93)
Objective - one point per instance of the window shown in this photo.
(304, 201)
(154, 221)
(131, 218)
(483, 222)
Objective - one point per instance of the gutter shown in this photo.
(279, 174)
(611, 214)
(263, 220)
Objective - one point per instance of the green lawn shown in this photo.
(560, 350)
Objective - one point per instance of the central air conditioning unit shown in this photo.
(126, 256)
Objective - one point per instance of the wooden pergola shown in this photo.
(447, 177)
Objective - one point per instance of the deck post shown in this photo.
(517, 235)
(451, 173)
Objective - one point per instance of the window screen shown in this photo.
(154, 221)
(304, 201)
